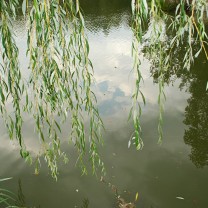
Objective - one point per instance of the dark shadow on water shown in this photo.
(21, 201)
(196, 112)
(196, 116)
(119, 201)
(103, 15)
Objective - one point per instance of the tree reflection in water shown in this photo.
(196, 113)
(196, 116)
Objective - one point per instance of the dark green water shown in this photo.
(160, 174)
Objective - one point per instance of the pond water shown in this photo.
(174, 174)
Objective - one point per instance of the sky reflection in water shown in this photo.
(177, 168)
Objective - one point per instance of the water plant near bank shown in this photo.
(7, 198)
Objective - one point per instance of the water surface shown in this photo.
(159, 173)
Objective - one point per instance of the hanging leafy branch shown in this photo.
(60, 81)
(11, 85)
(139, 13)
(188, 26)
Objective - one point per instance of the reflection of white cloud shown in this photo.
(111, 57)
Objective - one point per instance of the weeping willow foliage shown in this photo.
(60, 81)
(152, 27)
(61, 74)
